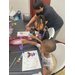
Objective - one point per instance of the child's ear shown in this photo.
(46, 22)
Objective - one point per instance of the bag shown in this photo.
(17, 16)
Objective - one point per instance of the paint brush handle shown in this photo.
(12, 62)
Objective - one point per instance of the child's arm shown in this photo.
(29, 28)
(31, 42)
(34, 37)
(45, 71)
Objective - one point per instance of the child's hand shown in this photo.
(27, 25)
(45, 71)
(34, 37)
(24, 42)
(28, 28)
(46, 22)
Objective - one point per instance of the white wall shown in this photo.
(22, 5)
(59, 6)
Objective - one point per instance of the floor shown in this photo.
(62, 72)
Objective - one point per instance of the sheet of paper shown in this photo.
(23, 33)
(38, 73)
(30, 61)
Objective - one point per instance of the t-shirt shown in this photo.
(43, 34)
(46, 62)
(54, 20)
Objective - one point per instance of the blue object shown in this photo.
(19, 12)
(33, 54)
(20, 56)
(20, 18)
(11, 24)
(21, 47)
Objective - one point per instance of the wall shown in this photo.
(59, 6)
(23, 5)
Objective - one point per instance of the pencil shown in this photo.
(12, 62)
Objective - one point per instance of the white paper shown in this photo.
(30, 63)
(38, 73)
(23, 33)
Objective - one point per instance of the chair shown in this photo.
(59, 55)
(51, 32)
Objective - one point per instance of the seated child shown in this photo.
(40, 26)
(46, 47)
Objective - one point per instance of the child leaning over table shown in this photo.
(40, 26)
(46, 47)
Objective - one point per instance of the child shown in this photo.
(46, 47)
(40, 27)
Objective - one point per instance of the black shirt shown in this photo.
(54, 20)
(44, 34)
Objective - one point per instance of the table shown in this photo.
(15, 51)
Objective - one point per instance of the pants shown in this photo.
(56, 32)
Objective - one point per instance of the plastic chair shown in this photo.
(59, 55)
(51, 32)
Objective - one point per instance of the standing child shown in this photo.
(40, 26)
(46, 47)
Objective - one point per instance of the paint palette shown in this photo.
(23, 33)
(16, 40)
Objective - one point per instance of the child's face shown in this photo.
(38, 27)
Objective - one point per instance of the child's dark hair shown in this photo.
(49, 45)
(37, 4)
(40, 20)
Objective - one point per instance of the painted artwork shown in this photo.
(30, 61)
